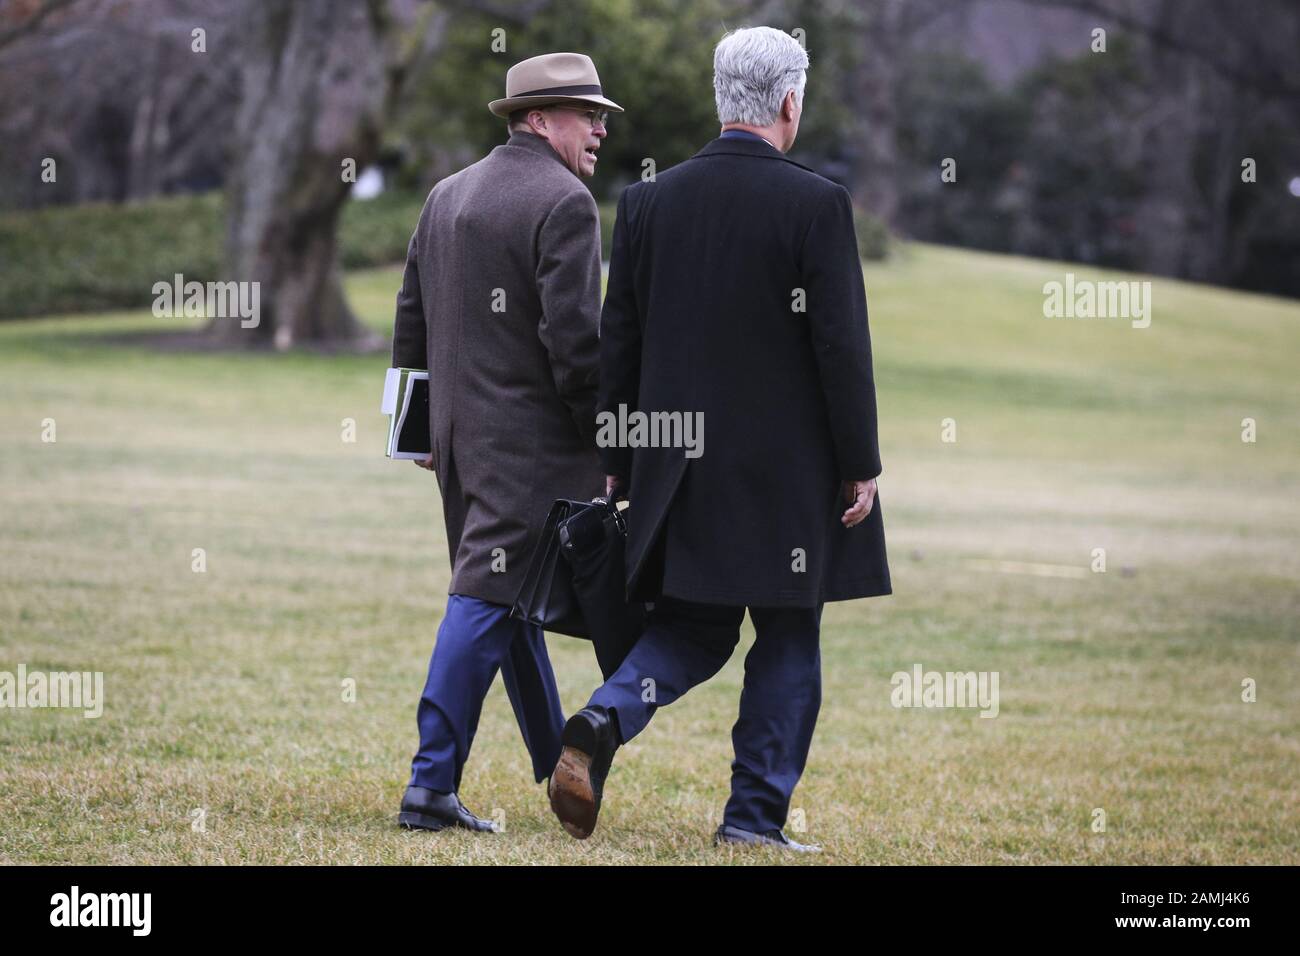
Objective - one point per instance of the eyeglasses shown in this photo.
(594, 117)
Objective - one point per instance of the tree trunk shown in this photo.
(888, 28)
(314, 80)
(874, 80)
(1169, 215)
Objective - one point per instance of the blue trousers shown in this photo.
(475, 639)
(685, 644)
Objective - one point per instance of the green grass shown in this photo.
(1119, 691)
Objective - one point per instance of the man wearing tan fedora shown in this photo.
(501, 303)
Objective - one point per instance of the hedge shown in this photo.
(100, 256)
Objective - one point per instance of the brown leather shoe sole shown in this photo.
(571, 796)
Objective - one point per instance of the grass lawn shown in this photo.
(1119, 690)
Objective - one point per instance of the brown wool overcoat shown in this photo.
(501, 302)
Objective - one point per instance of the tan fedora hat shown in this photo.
(552, 78)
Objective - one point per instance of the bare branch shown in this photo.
(1268, 81)
(518, 13)
(33, 23)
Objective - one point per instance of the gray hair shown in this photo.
(753, 69)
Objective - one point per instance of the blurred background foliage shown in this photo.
(1128, 158)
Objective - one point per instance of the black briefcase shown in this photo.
(546, 597)
(575, 583)
(593, 543)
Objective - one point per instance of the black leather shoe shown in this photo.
(735, 835)
(578, 780)
(425, 809)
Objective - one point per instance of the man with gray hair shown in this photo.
(735, 291)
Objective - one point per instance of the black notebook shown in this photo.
(406, 402)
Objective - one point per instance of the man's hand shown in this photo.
(861, 495)
(425, 463)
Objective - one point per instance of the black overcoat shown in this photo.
(736, 291)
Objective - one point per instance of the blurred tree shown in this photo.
(886, 32)
(1213, 83)
(1078, 175)
(948, 108)
(315, 80)
(111, 91)
(1131, 158)
(319, 82)
(21, 18)
(655, 59)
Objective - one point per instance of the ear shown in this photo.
(537, 119)
(789, 106)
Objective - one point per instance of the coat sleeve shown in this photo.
(568, 284)
(409, 328)
(837, 320)
(620, 342)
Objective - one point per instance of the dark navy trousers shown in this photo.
(475, 639)
(685, 644)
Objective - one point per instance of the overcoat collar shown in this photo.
(534, 143)
(738, 146)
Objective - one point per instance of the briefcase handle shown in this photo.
(617, 505)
